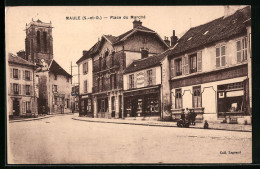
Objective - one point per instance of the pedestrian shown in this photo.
(193, 117)
(182, 115)
(187, 114)
(206, 124)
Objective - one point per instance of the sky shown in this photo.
(71, 37)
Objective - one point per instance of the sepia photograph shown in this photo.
(128, 84)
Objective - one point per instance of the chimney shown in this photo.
(84, 52)
(167, 41)
(21, 54)
(137, 23)
(174, 39)
(230, 10)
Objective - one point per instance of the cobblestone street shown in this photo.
(62, 140)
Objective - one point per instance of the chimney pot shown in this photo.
(137, 23)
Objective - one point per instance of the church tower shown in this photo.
(39, 42)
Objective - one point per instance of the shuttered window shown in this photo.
(220, 56)
(242, 50)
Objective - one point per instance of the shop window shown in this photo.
(131, 81)
(15, 73)
(197, 96)
(150, 77)
(178, 67)
(113, 103)
(28, 107)
(220, 56)
(242, 50)
(89, 105)
(178, 99)
(144, 53)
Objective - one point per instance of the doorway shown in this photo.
(16, 107)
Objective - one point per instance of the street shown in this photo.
(62, 140)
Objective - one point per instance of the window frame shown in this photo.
(150, 77)
(196, 99)
(243, 50)
(131, 81)
(27, 75)
(144, 55)
(178, 99)
(178, 66)
(221, 57)
(27, 90)
(15, 88)
(15, 73)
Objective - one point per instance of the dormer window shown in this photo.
(144, 53)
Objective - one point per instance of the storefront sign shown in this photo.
(235, 93)
(83, 97)
(140, 79)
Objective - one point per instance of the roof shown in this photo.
(15, 59)
(148, 62)
(57, 69)
(218, 29)
(113, 40)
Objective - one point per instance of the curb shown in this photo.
(13, 121)
(158, 125)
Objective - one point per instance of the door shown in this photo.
(16, 107)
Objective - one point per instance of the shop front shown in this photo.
(85, 108)
(233, 99)
(142, 102)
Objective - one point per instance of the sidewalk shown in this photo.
(212, 126)
(20, 119)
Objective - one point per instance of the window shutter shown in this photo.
(87, 67)
(52, 88)
(24, 91)
(19, 74)
(23, 74)
(172, 69)
(238, 51)
(153, 76)
(30, 75)
(83, 68)
(134, 81)
(217, 57)
(57, 89)
(20, 89)
(11, 88)
(173, 99)
(199, 61)
(31, 92)
(11, 73)
(183, 65)
(223, 55)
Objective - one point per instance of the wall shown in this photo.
(136, 41)
(88, 76)
(209, 56)
(156, 73)
(64, 87)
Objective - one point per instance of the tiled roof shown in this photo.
(15, 59)
(148, 62)
(57, 69)
(214, 31)
(114, 40)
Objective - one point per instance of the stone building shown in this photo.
(210, 68)
(21, 83)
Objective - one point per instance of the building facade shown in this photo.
(55, 89)
(209, 69)
(111, 58)
(146, 88)
(22, 96)
(85, 71)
